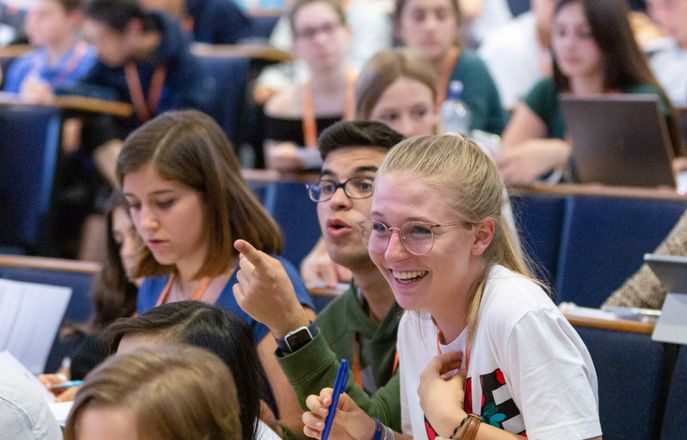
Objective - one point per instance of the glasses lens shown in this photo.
(322, 190)
(417, 237)
(377, 237)
(359, 187)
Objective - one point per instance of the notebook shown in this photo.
(619, 139)
(672, 273)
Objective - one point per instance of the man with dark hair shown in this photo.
(144, 59)
(359, 325)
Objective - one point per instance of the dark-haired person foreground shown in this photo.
(360, 325)
(161, 393)
(208, 327)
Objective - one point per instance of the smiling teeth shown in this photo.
(407, 275)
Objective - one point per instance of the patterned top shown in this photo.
(643, 289)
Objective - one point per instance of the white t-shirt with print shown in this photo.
(533, 369)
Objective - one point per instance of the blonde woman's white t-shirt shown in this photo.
(528, 365)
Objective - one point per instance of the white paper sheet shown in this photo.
(30, 315)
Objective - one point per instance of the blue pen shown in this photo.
(67, 384)
(339, 387)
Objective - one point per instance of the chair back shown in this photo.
(603, 243)
(629, 368)
(30, 138)
(675, 418)
(229, 77)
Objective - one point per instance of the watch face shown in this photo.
(298, 339)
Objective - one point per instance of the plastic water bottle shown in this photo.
(455, 115)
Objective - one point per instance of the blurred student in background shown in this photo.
(588, 60)
(432, 28)
(207, 21)
(297, 114)
(114, 296)
(519, 53)
(670, 63)
(189, 202)
(59, 56)
(166, 392)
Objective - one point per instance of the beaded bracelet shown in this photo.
(458, 428)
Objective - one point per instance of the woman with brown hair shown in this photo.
(189, 202)
(297, 114)
(398, 88)
(432, 28)
(165, 392)
(588, 59)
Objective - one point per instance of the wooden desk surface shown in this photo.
(44, 263)
(255, 51)
(274, 176)
(611, 324)
(81, 103)
(14, 50)
(571, 189)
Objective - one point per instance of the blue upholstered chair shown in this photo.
(604, 240)
(229, 77)
(674, 425)
(29, 142)
(539, 220)
(296, 215)
(629, 369)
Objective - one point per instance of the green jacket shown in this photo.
(315, 365)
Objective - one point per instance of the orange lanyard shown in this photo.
(449, 66)
(309, 120)
(356, 365)
(144, 109)
(197, 294)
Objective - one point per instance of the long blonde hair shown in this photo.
(173, 391)
(474, 190)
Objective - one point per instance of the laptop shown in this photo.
(671, 271)
(619, 139)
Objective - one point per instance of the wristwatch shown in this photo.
(297, 338)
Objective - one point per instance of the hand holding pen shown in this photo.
(336, 418)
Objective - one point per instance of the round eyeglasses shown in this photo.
(416, 237)
(354, 188)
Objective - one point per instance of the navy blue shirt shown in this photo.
(150, 290)
(217, 21)
(184, 87)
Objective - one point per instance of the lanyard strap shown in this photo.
(197, 293)
(309, 120)
(70, 62)
(357, 377)
(446, 71)
(144, 109)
